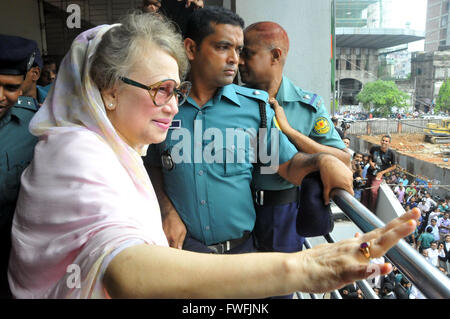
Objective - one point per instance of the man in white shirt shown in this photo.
(434, 253)
(434, 215)
(429, 202)
(422, 206)
(416, 294)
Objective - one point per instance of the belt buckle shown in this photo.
(219, 248)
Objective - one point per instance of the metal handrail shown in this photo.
(428, 279)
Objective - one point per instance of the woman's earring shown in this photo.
(110, 106)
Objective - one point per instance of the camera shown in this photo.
(345, 125)
(376, 170)
(360, 164)
(359, 183)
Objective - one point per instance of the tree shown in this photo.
(443, 98)
(380, 96)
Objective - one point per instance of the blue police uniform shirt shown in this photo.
(305, 112)
(16, 151)
(209, 184)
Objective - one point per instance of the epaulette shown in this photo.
(252, 93)
(27, 102)
(311, 99)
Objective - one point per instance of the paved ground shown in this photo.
(414, 145)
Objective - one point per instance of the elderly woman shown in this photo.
(88, 225)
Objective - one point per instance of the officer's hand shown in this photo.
(334, 174)
(174, 229)
(280, 115)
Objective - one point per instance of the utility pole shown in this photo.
(333, 55)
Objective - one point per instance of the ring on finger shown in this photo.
(365, 249)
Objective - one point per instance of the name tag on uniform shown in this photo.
(175, 124)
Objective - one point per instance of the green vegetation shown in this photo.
(443, 98)
(380, 96)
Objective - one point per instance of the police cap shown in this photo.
(18, 55)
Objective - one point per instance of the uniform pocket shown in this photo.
(235, 161)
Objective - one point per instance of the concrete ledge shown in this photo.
(414, 166)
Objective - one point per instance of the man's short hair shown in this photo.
(201, 21)
(48, 60)
(146, 3)
(388, 136)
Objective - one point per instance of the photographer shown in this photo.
(335, 123)
(382, 161)
(358, 181)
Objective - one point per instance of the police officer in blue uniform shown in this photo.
(31, 91)
(16, 142)
(302, 117)
(203, 171)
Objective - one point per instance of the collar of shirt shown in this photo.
(6, 118)
(288, 92)
(228, 92)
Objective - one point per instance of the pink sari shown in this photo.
(85, 196)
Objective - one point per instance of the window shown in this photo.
(444, 21)
(348, 65)
(337, 64)
(366, 66)
(358, 64)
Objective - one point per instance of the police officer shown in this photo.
(32, 93)
(302, 116)
(16, 143)
(205, 182)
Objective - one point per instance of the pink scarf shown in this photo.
(85, 194)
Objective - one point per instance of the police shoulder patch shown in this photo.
(322, 125)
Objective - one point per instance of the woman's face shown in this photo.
(134, 115)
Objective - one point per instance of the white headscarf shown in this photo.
(75, 100)
(85, 194)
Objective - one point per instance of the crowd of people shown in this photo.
(102, 186)
(431, 238)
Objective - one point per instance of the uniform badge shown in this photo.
(175, 124)
(322, 126)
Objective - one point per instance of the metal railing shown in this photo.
(425, 277)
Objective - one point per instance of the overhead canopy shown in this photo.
(375, 38)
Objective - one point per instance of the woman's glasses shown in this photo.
(161, 92)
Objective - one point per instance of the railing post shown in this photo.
(399, 127)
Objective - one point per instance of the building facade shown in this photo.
(429, 70)
(438, 22)
(363, 30)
